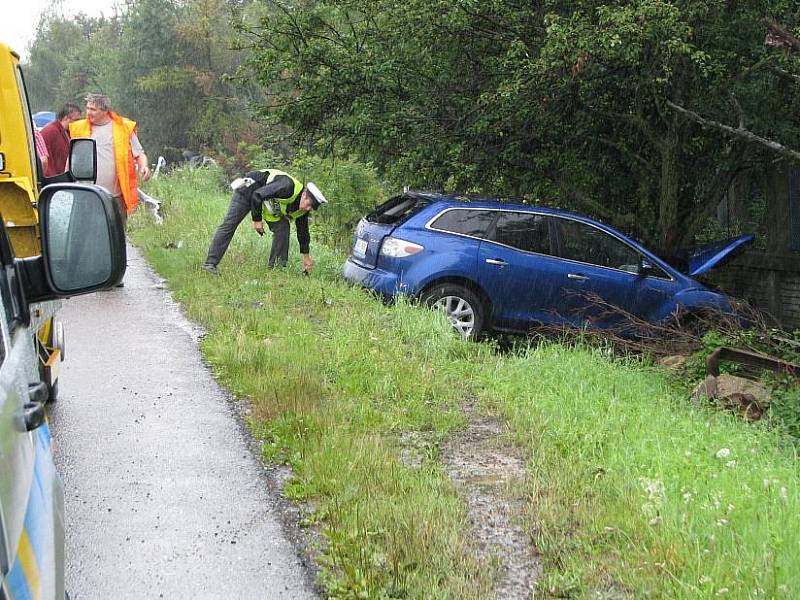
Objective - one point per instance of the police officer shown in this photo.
(277, 198)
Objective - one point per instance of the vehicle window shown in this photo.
(522, 230)
(396, 210)
(584, 243)
(28, 119)
(8, 312)
(12, 311)
(467, 222)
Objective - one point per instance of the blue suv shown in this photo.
(490, 264)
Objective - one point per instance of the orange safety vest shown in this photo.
(121, 129)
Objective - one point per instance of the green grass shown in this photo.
(629, 487)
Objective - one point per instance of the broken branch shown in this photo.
(739, 132)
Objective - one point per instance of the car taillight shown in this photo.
(397, 248)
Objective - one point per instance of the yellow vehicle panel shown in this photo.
(19, 177)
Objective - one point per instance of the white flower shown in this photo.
(784, 493)
(730, 464)
(722, 522)
(704, 580)
(687, 497)
(723, 453)
(655, 497)
(722, 591)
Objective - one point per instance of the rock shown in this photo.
(747, 398)
(729, 384)
(673, 363)
(705, 390)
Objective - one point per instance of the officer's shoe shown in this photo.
(209, 268)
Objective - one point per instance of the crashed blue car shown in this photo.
(496, 265)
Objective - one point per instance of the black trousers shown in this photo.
(279, 252)
(238, 209)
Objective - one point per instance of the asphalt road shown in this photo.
(164, 497)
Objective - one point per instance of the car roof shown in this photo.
(465, 201)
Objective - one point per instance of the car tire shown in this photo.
(463, 308)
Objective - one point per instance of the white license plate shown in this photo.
(360, 248)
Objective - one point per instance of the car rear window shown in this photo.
(396, 210)
(474, 222)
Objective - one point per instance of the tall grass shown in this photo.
(630, 489)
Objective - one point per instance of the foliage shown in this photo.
(353, 191)
(168, 64)
(572, 101)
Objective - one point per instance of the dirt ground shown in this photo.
(488, 473)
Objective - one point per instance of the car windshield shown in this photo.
(397, 210)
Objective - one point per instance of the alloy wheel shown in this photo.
(459, 313)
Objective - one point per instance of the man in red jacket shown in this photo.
(56, 138)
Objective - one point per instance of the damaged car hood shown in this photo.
(707, 257)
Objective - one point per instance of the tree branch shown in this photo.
(786, 74)
(627, 151)
(738, 132)
(711, 199)
(778, 31)
(637, 121)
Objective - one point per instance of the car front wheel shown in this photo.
(462, 307)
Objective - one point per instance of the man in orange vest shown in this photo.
(119, 151)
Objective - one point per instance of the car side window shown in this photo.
(584, 243)
(523, 230)
(471, 222)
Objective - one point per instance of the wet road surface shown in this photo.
(164, 498)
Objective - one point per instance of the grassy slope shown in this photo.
(629, 487)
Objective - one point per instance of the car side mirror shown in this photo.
(83, 160)
(83, 243)
(646, 268)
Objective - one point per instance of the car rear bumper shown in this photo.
(378, 280)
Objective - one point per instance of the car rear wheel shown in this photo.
(462, 307)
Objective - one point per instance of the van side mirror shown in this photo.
(83, 160)
(83, 243)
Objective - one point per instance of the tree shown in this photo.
(64, 60)
(588, 104)
(168, 64)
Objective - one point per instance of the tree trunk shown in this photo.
(669, 228)
(733, 211)
(777, 214)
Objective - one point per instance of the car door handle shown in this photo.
(577, 277)
(496, 261)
